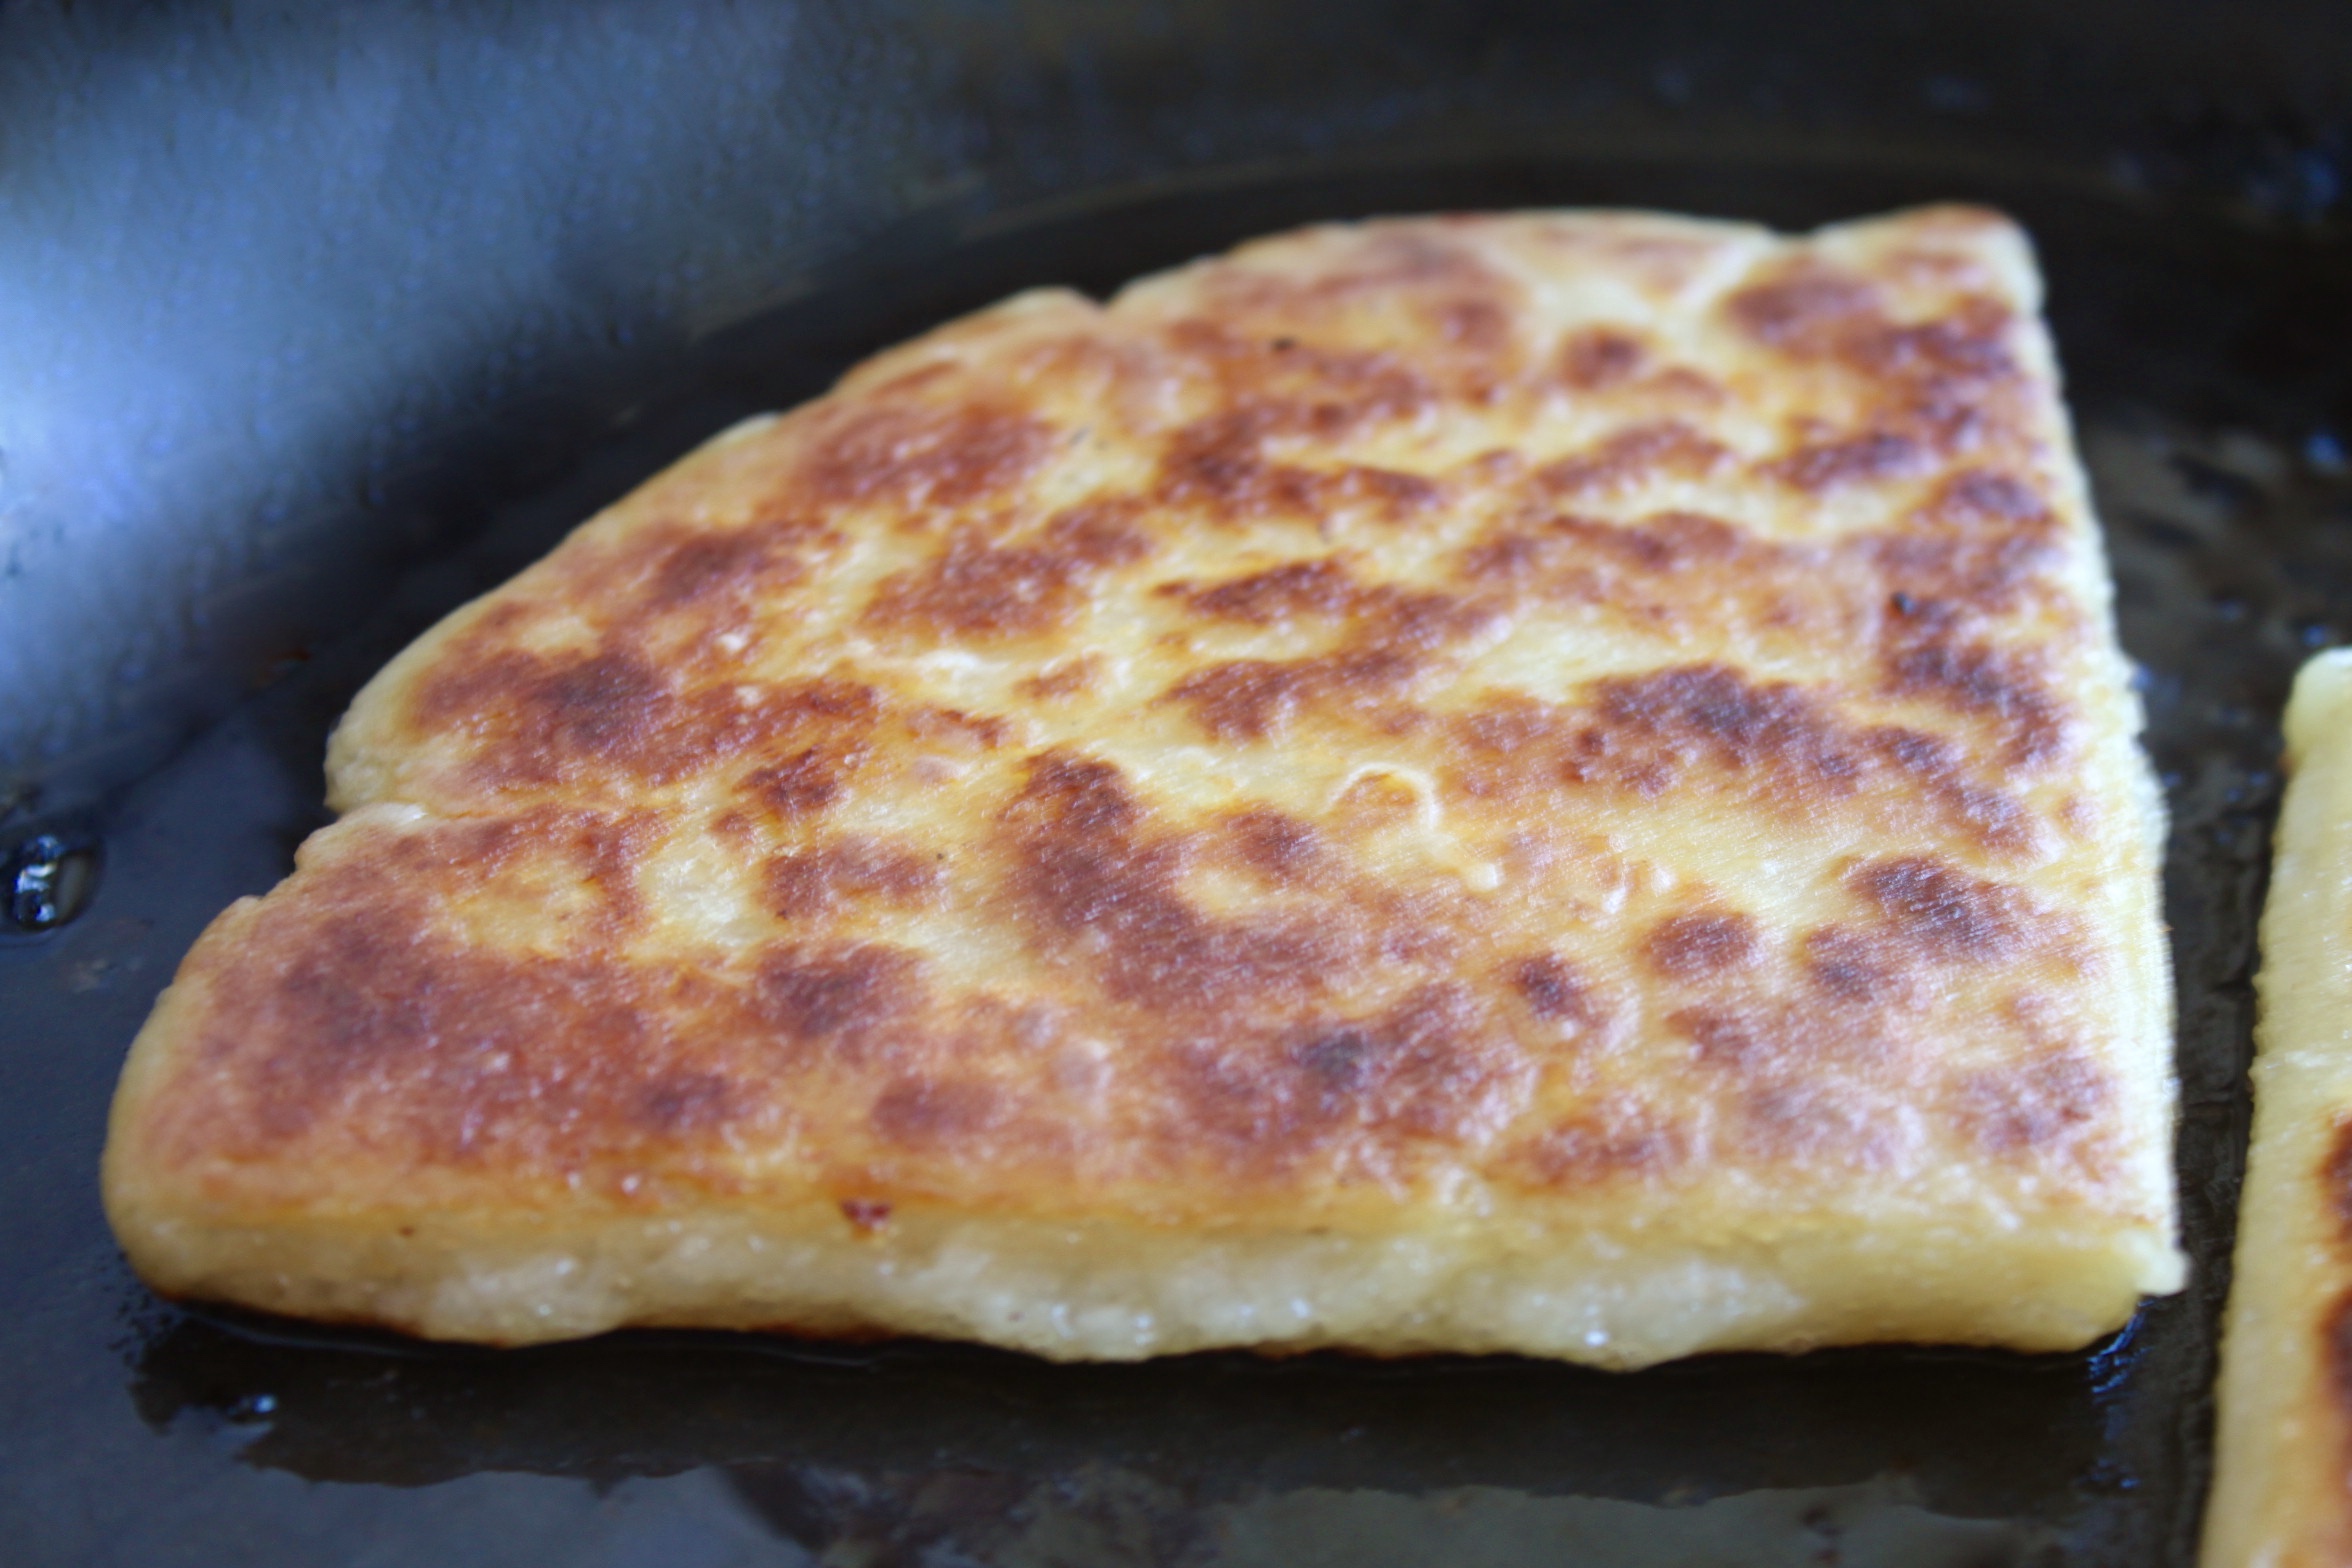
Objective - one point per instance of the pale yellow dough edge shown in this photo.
(2280, 1493)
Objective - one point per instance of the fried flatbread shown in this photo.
(1554, 782)
(2282, 1488)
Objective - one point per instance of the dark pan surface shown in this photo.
(2209, 355)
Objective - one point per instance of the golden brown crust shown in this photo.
(1505, 711)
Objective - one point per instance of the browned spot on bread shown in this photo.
(1692, 725)
(1496, 467)
(1076, 795)
(1573, 557)
(978, 589)
(686, 1103)
(1103, 894)
(1388, 493)
(1669, 542)
(1682, 384)
(698, 567)
(1391, 618)
(848, 996)
(1247, 699)
(1257, 699)
(1710, 717)
(598, 704)
(1800, 1082)
(1943, 913)
(1868, 458)
(573, 869)
(2033, 1105)
(1693, 946)
(1312, 384)
(1393, 635)
(673, 591)
(607, 850)
(1977, 497)
(1601, 357)
(806, 782)
(1965, 349)
(1780, 730)
(540, 719)
(1101, 534)
(1852, 968)
(1614, 1139)
(826, 700)
(1318, 587)
(377, 1022)
(1481, 325)
(932, 1112)
(1923, 591)
(812, 883)
(1511, 556)
(957, 729)
(1277, 846)
(1219, 464)
(1453, 310)
(1940, 383)
(1936, 585)
(975, 589)
(1632, 457)
(2010, 689)
(1433, 1066)
(1554, 990)
(1990, 817)
(922, 457)
(1808, 310)
(1678, 570)
(1064, 679)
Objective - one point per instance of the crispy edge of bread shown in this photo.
(2282, 1491)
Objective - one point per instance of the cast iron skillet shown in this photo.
(317, 319)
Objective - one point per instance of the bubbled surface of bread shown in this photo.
(1556, 782)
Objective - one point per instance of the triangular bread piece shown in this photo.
(1555, 782)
